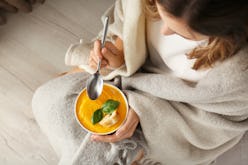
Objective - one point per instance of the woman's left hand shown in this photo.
(125, 131)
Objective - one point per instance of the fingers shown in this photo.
(110, 46)
(108, 54)
(7, 7)
(93, 61)
(114, 56)
(110, 51)
(126, 130)
(95, 55)
(115, 137)
(22, 5)
(97, 49)
(129, 126)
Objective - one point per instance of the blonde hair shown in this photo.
(217, 49)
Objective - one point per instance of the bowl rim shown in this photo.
(96, 133)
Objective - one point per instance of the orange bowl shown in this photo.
(85, 107)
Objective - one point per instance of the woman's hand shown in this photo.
(125, 131)
(112, 55)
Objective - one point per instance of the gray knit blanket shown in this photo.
(53, 108)
(182, 123)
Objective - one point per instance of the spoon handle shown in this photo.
(105, 29)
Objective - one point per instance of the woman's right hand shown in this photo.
(112, 55)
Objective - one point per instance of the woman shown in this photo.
(187, 87)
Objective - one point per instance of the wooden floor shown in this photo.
(32, 49)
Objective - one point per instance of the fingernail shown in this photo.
(104, 50)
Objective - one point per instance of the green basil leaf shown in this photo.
(97, 116)
(110, 106)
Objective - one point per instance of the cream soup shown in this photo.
(85, 108)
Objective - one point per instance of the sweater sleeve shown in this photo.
(127, 21)
(192, 123)
(78, 54)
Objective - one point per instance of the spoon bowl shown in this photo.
(84, 108)
(94, 86)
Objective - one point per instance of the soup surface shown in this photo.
(85, 108)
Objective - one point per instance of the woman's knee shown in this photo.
(42, 97)
(48, 93)
(57, 91)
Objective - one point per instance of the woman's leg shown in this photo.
(53, 108)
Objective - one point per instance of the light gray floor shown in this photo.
(32, 49)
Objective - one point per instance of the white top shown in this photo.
(172, 49)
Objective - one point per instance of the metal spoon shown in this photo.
(95, 82)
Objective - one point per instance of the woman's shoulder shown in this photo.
(239, 60)
(231, 72)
